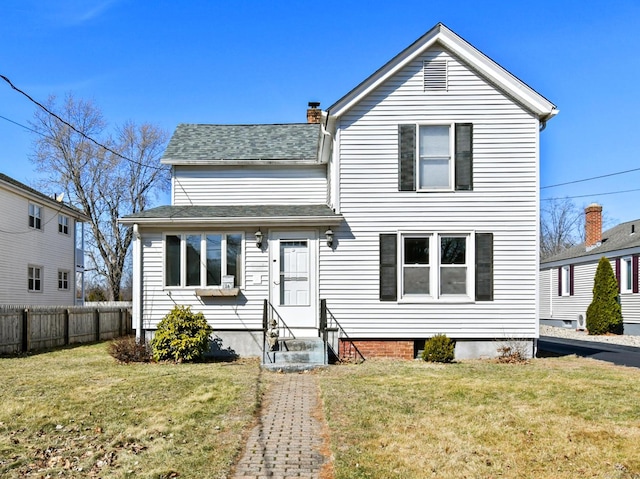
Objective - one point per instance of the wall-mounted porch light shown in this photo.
(258, 239)
(329, 236)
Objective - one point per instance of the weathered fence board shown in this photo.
(24, 329)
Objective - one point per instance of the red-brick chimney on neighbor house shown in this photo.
(314, 114)
(593, 225)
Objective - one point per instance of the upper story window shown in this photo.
(63, 280)
(434, 160)
(34, 279)
(63, 224)
(202, 259)
(435, 157)
(35, 216)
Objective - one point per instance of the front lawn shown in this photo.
(77, 413)
(548, 419)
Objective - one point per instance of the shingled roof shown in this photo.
(193, 144)
(233, 215)
(622, 237)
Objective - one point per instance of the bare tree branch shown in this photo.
(107, 182)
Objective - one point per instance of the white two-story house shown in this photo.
(408, 208)
(41, 256)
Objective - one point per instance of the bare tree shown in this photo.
(105, 183)
(561, 226)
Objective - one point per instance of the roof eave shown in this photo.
(236, 162)
(235, 221)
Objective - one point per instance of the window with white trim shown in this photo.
(436, 157)
(63, 280)
(626, 275)
(566, 280)
(435, 266)
(35, 216)
(202, 259)
(63, 224)
(34, 279)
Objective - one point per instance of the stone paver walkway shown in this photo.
(289, 439)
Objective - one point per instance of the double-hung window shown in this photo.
(435, 157)
(63, 224)
(436, 266)
(35, 216)
(34, 279)
(63, 280)
(565, 280)
(627, 273)
(202, 259)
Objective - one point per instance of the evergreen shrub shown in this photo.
(439, 349)
(182, 335)
(604, 314)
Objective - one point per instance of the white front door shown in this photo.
(293, 280)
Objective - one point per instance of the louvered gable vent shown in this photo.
(435, 75)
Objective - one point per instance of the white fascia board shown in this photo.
(486, 67)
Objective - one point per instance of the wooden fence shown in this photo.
(24, 329)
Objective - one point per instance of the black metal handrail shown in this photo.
(269, 313)
(347, 350)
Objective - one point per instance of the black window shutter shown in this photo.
(560, 281)
(618, 273)
(484, 266)
(464, 156)
(406, 157)
(571, 280)
(634, 268)
(388, 267)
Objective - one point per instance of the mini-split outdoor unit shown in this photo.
(581, 324)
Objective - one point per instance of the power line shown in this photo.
(592, 178)
(23, 126)
(594, 194)
(40, 105)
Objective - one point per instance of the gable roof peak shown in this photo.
(482, 64)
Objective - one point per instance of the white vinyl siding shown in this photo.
(225, 313)
(569, 307)
(249, 185)
(504, 201)
(22, 245)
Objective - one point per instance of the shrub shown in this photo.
(127, 350)
(181, 336)
(439, 349)
(604, 314)
(513, 352)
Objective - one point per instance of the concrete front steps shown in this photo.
(294, 355)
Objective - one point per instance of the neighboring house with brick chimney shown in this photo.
(566, 279)
(41, 255)
(406, 209)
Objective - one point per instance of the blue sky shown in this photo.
(169, 62)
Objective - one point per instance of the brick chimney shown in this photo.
(593, 225)
(314, 114)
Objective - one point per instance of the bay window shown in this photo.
(202, 259)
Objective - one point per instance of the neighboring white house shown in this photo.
(40, 263)
(566, 279)
(410, 206)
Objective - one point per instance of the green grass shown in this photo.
(78, 413)
(551, 418)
